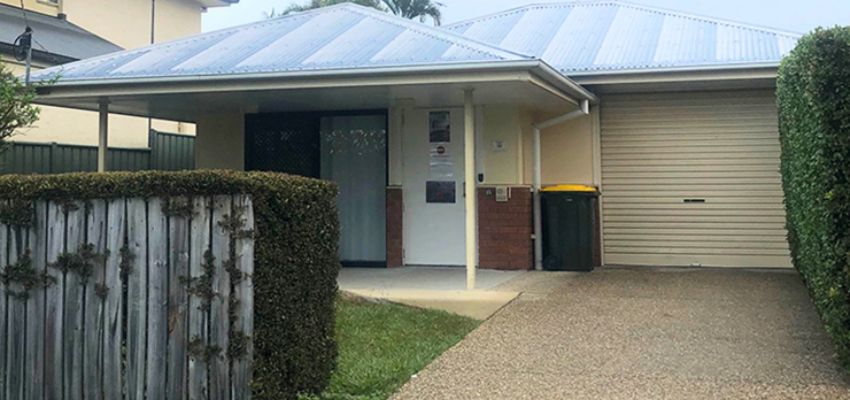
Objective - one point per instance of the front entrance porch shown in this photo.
(411, 171)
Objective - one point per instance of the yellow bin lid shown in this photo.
(570, 188)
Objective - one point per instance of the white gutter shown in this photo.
(538, 176)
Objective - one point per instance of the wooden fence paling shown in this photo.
(244, 290)
(35, 307)
(134, 333)
(157, 300)
(53, 378)
(73, 315)
(13, 315)
(198, 317)
(178, 273)
(136, 298)
(17, 318)
(94, 305)
(113, 368)
(219, 312)
(4, 299)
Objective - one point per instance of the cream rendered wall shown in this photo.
(501, 145)
(126, 23)
(39, 6)
(567, 150)
(220, 142)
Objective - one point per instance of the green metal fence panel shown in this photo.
(167, 151)
(172, 152)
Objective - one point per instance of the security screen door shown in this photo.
(354, 155)
(349, 149)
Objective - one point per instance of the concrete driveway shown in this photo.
(644, 334)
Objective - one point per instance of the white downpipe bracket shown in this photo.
(538, 176)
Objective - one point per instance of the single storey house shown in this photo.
(441, 138)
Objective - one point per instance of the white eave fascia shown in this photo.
(678, 74)
(510, 70)
(216, 3)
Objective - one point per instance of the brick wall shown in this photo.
(505, 229)
(395, 219)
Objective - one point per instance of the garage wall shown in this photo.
(693, 179)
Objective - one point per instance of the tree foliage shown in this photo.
(411, 9)
(16, 109)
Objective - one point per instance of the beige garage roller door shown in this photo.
(692, 179)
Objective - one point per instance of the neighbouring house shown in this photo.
(671, 116)
(71, 30)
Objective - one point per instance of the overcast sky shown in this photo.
(796, 16)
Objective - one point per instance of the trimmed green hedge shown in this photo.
(296, 262)
(814, 108)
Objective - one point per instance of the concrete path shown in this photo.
(433, 287)
(643, 334)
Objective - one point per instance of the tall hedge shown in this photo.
(296, 262)
(814, 107)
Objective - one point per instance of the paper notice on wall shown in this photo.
(442, 167)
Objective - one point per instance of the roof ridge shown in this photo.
(686, 14)
(435, 32)
(622, 3)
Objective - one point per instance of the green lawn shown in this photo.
(382, 345)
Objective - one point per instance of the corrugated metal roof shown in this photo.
(57, 40)
(342, 37)
(604, 35)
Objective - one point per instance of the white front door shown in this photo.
(434, 228)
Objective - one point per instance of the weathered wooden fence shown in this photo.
(165, 152)
(127, 299)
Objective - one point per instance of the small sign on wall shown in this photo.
(441, 192)
(440, 124)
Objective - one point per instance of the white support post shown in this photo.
(103, 136)
(470, 189)
(538, 211)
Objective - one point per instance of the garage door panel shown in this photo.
(687, 212)
(707, 158)
(698, 251)
(707, 144)
(696, 181)
(752, 234)
(650, 163)
(740, 151)
(704, 226)
(697, 237)
(659, 150)
(685, 173)
(713, 260)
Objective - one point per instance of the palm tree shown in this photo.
(422, 9)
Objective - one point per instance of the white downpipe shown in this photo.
(538, 176)
(471, 186)
(103, 136)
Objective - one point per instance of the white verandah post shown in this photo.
(470, 189)
(103, 136)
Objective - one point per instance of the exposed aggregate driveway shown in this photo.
(644, 334)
